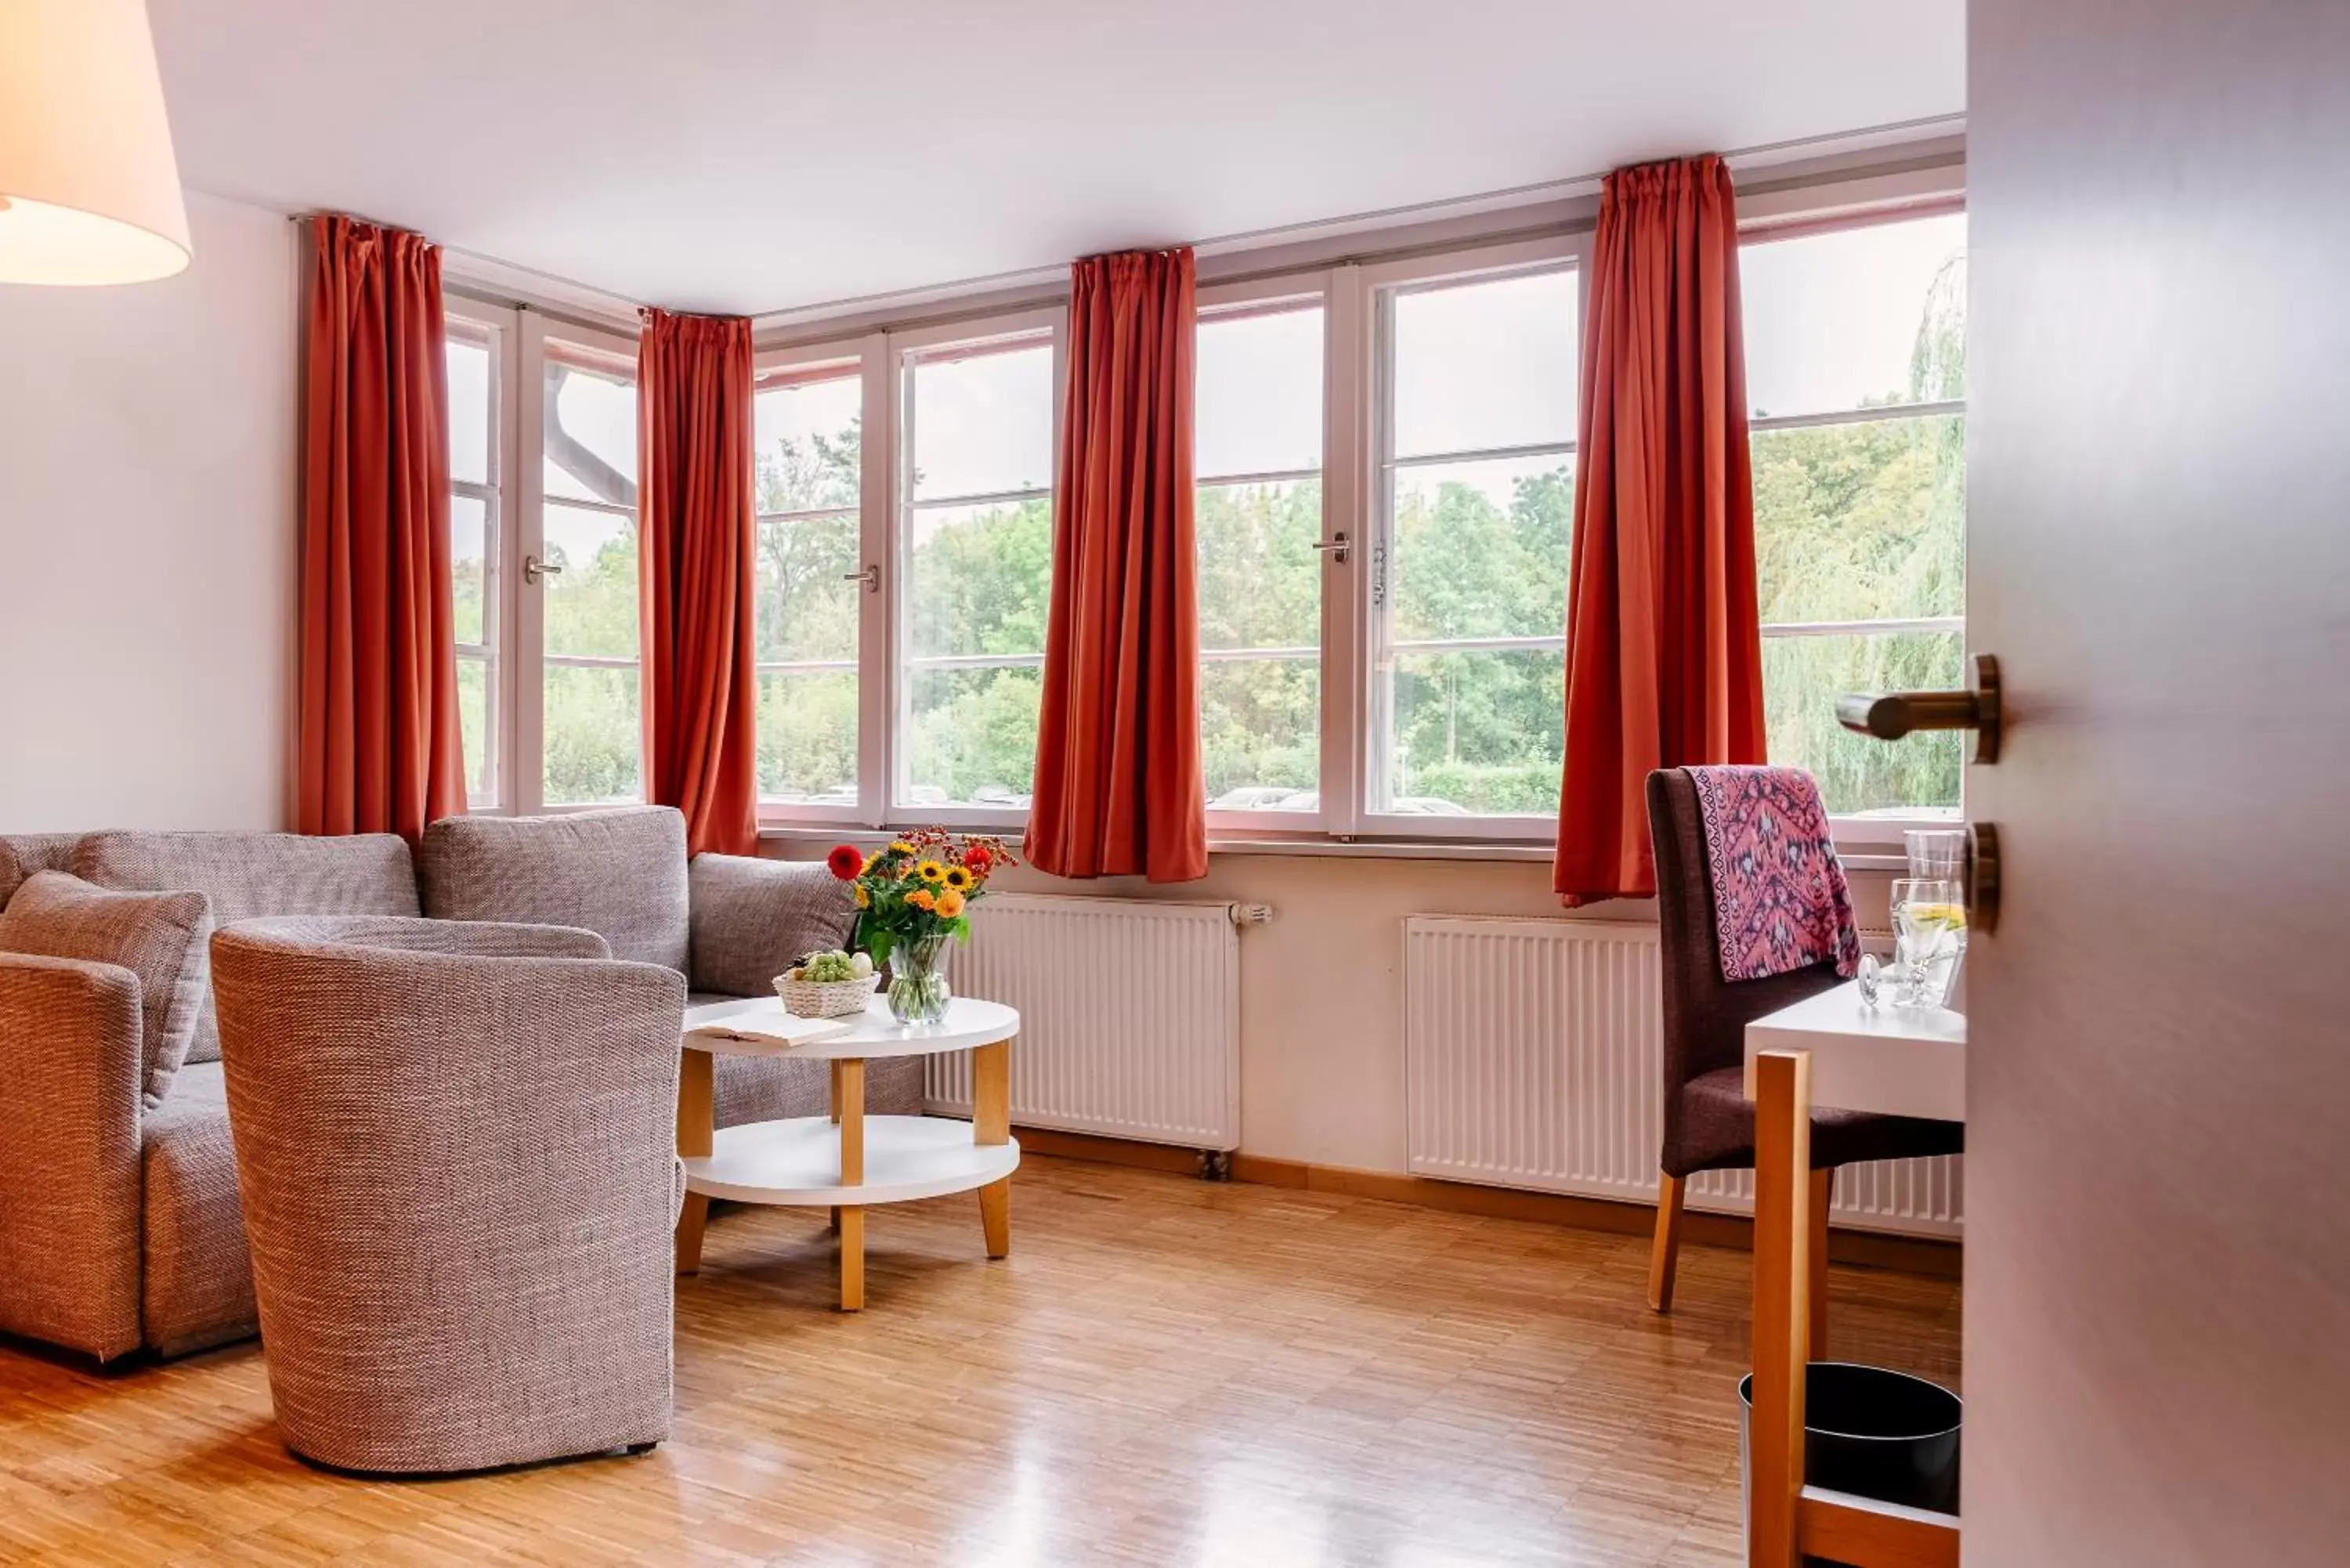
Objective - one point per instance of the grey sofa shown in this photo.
(119, 1222)
(456, 1144)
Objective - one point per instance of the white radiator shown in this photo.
(1533, 1058)
(1129, 1016)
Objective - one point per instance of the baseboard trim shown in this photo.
(1923, 1255)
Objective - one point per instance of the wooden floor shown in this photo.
(1164, 1371)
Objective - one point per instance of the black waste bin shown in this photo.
(1874, 1433)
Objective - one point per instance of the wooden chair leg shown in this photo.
(1665, 1253)
(1823, 1190)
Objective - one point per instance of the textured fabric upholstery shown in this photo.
(769, 1088)
(458, 1174)
(69, 1034)
(618, 873)
(159, 937)
(23, 853)
(196, 1289)
(249, 874)
(1709, 1122)
(754, 919)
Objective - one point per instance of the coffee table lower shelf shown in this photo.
(796, 1162)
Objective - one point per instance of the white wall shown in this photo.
(148, 529)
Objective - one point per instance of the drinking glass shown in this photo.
(1929, 923)
(1936, 853)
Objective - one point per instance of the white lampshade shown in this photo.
(89, 193)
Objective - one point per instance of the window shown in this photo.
(585, 572)
(975, 552)
(1474, 488)
(476, 344)
(1855, 372)
(1258, 464)
(809, 433)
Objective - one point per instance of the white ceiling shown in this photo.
(736, 155)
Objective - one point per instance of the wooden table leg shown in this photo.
(832, 1221)
(1782, 1240)
(696, 1124)
(990, 1123)
(1816, 1260)
(850, 1106)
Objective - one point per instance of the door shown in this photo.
(2157, 1273)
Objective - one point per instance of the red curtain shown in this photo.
(1118, 782)
(696, 521)
(1664, 662)
(379, 749)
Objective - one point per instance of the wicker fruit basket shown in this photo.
(824, 998)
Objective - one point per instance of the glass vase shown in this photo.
(918, 981)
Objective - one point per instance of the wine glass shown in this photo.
(1926, 919)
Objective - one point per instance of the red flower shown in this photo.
(845, 862)
(980, 861)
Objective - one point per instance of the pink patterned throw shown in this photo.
(1780, 901)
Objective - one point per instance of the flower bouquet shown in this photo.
(911, 896)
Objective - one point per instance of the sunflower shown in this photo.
(930, 871)
(899, 846)
(864, 899)
(960, 879)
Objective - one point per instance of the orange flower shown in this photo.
(919, 898)
(950, 904)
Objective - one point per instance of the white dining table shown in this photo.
(1835, 1050)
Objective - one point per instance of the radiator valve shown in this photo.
(1251, 914)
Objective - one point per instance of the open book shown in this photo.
(761, 1020)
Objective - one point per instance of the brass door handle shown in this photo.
(1894, 714)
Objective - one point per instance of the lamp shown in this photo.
(89, 193)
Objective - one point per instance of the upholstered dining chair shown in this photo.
(456, 1144)
(1709, 1122)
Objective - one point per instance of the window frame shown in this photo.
(865, 358)
(526, 791)
(1766, 222)
(904, 350)
(1267, 297)
(1381, 285)
(500, 327)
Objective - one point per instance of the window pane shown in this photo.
(1259, 732)
(809, 439)
(971, 736)
(982, 422)
(474, 724)
(593, 745)
(1476, 732)
(1856, 318)
(808, 587)
(808, 737)
(469, 410)
(1861, 522)
(591, 432)
(1483, 365)
(1802, 678)
(1481, 549)
(469, 565)
(1259, 394)
(979, 579)
(590, 607)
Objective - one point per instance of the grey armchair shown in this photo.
(456, 1146)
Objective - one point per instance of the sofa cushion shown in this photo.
(248, 875)
(198, 1272)
(23, 853)
(754, 919)
(159, 937)
(618, 873)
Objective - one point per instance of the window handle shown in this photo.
(1338, 546)
(533, 569)
(1898, 713)
(870, 576)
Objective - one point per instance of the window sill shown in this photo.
(1873, 856)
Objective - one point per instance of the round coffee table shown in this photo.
(849, 1161)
